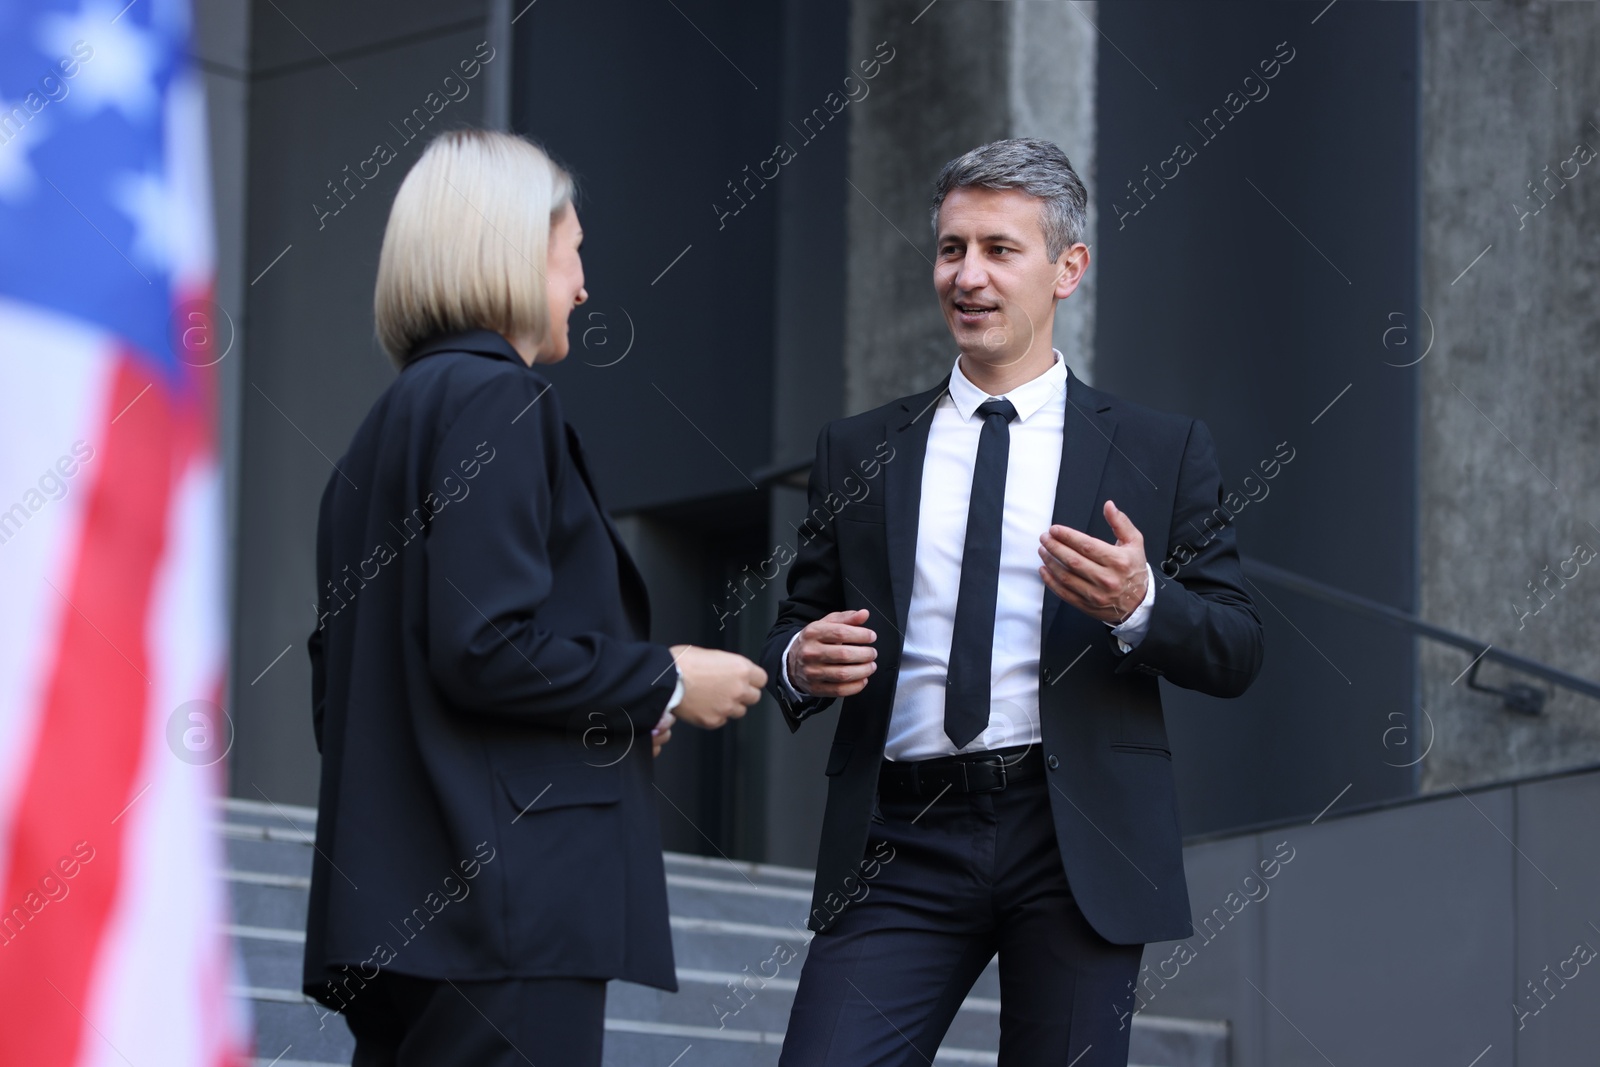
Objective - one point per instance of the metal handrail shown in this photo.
(1517, 697)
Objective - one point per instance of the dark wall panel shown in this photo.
(657, 108)
(311, 365)
(1557, 873)
(808, 344)
(1402, 934)
(735, 357)
(1248, 280)
(1205, 976)
(1391, 936)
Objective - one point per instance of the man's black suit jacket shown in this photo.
(482, 695)
(1104, 739)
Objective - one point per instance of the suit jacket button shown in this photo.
(1052, 762)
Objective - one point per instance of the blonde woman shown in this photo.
(484, 694)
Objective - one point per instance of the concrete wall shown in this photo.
(964, 73)
(1511, 385)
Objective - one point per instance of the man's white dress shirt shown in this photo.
(916, 723)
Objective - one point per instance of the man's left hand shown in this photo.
(1105, 582)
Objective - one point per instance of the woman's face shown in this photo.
(563, 281)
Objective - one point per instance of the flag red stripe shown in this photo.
(83, 770)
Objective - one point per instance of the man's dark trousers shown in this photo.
(961, 877)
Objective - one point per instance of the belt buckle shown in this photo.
(998, 765)
(997, 779)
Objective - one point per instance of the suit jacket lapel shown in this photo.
(907, 433)
(1085, 447)
(635, 594)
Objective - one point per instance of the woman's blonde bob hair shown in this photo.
(466, 242)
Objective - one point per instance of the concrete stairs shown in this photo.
(731, 923)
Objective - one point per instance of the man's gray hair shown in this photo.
(1037, 167)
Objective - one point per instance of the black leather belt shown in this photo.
(970, 772)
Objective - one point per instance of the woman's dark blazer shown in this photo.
(482, 693)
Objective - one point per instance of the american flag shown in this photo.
(113, 632)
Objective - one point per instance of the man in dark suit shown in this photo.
(1000, 779)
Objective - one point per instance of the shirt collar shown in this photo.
(1027, 398)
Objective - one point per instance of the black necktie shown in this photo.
(966, 697)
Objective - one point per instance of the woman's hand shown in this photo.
(717, 685)
(661, 733)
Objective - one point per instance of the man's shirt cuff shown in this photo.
(794, 695)
(1131, 630)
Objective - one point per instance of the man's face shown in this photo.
(996, 286)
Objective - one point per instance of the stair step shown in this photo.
(276, 881)
(756, 871)
(305, 1031)
(266, 905)
(310, 1031)
(693, 1012)
(244, 809)
(249, 831)
(1189, 1042)
(260, 856)
(731, 922)
(728, 885)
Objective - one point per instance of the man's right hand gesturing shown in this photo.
(717, 685)
(833, 657)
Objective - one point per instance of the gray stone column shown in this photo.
(963, 73)
(1511, 387)
(1053, 69)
